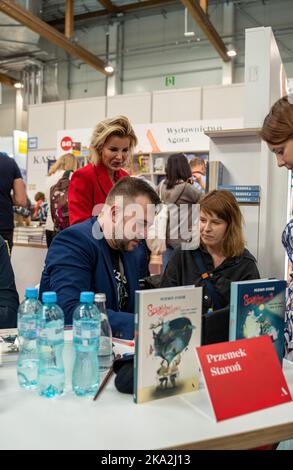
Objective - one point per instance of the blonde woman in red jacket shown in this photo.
(112, 142)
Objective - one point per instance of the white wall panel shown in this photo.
(7, 112)
(176, 105)
(84, 113)
(44, 122)
(225, 101)
(137, 107)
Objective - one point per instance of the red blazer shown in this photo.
(88, 187)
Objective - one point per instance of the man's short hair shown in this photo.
(131, 187)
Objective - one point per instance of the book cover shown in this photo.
(232, 187)
(248, 200)
(167, 330)
(245, 193)
(257, 308)
(140, 164)
(8, 346)
(242, 376)
(215, 172)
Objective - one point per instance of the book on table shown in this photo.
(258, 308)
(167, 330)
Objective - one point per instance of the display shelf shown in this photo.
(234, 133)
(144, 164)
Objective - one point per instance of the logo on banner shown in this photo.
(66, 143)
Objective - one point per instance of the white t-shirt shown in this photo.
(50, 181)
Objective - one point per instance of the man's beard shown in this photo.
(123, 245)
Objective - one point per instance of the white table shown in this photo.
(28, 421)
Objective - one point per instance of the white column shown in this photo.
(114, 83)
(264, 84)
(228, 31)
(18, 110)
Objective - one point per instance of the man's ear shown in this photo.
(115, 212)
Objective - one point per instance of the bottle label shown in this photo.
(84, 333)
(24, 326)
(51, 334)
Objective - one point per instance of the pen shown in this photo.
(106, 378)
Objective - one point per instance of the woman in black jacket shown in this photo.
(8, 295)
(222, 254)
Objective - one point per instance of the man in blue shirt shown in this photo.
(104, 254)
(10, 181)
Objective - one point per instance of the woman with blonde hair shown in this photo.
(66, 162)
(220, 259)
(112, 142)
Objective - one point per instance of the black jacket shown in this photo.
(182, 270)
(8, 294)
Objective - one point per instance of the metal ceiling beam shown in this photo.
(203, 21)
(6, 80)
(132, 7)
(108, 5)
(69, 21)
(51, 34)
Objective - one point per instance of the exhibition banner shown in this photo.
(38, 164)
(157, 137)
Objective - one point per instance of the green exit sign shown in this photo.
(170, 80)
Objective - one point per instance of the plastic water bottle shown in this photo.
(105, 348)
(50, 340)
(27, 363)
(86, 332)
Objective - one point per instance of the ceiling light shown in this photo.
(18, 85)
(109, 69)
(231, 51)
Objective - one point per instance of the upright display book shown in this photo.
(242, 376)
(167, 330)
(258, 308)
(8, 346)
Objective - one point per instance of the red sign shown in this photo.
(66, 143)
(242, 376)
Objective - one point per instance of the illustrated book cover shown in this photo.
(258, 308)
(242, 376)
(167, 330)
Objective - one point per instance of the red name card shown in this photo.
(242, 376)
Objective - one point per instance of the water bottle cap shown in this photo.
(100, 297)
(31, 293)
(87, 297)
(49, 297)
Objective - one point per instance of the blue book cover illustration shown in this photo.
(258, 308)
(167, 331)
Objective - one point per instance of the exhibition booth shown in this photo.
(219, 124)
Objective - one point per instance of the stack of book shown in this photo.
(30, 234)
(244, 194)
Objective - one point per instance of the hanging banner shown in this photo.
(158, 137)
(38, 163)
